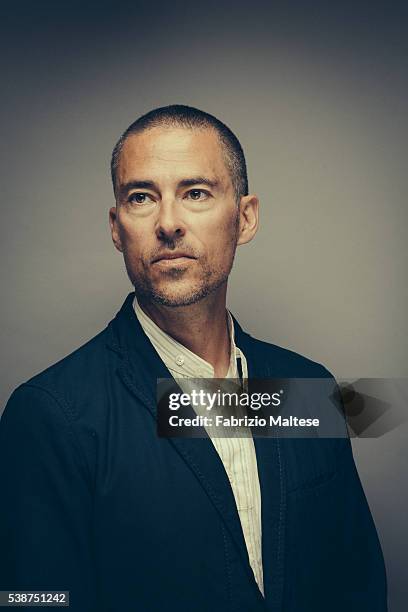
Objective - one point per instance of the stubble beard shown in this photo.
(209, 280)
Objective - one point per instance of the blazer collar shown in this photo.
(139, 357)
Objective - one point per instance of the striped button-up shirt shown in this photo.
(236, 453)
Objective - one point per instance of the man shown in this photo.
(96, 503)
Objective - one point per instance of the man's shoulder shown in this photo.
(76, 375)
(81, 381)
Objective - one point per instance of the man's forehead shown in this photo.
(172, 149)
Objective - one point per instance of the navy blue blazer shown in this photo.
(94, 502)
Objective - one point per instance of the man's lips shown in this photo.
(173, 255)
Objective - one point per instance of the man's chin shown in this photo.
(177, 299)
(174, 296)
(177, 292)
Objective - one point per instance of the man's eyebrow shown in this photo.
(198, 180)
(135, 184)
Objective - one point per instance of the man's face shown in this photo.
(176, 220)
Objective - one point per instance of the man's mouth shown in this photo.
(173, 258)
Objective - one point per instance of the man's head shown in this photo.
(182, 204)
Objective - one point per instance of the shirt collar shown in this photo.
(179, 359)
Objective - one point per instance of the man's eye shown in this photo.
(139, 198)
(197, 194)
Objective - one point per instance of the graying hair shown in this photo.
(190, 117)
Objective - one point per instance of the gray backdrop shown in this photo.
(318, 96)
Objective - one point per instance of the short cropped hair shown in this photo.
(190, 117)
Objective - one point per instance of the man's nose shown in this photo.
(169, 225)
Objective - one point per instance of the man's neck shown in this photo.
(200, 327)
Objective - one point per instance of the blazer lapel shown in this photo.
(140, 368)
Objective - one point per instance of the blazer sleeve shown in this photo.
(46, 501)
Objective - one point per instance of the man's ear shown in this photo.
(114, 226)
(248, 218)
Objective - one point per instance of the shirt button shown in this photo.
(180, 360)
